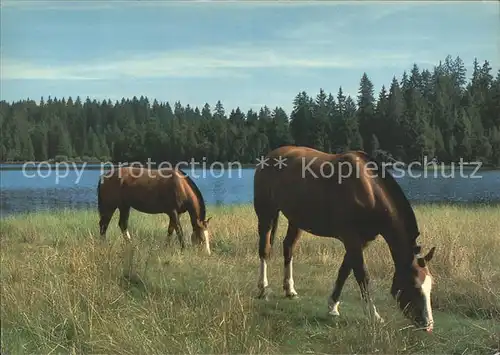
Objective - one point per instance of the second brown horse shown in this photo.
(169, 191)
(349, 197)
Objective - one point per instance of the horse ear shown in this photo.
(203, 224)
(430, 254)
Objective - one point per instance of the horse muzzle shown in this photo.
(427, 326)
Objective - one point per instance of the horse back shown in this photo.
(324, 193)
(147, 190)
(320, 175)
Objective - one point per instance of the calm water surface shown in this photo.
(31, 191)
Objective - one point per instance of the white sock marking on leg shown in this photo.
(375, 313)
(334, 308)
(370, 310)
(263, 283)
(288, 282)
(126, 235)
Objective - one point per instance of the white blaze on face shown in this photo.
(426, 291)
(207, 242)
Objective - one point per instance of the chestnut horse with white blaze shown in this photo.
(153, 191)
(351, 198)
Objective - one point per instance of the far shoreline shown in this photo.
(97, 165)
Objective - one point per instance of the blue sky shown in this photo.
(246, 54)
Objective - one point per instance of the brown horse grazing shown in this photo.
(152, 191)
(348, 197)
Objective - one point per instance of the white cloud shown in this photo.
(63, 5)
(101, 4)
(208, 62)
(58, 5)
(345, 27)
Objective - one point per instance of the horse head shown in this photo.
(412, 288)
(201, 234)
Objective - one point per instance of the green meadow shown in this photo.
(65, 291)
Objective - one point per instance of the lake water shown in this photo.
(29, 191)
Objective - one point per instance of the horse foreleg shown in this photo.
(123, 223)
(361, 275)
(289, 244)
(343, 274)
(171, 228)
(174, 218)
(180, 235)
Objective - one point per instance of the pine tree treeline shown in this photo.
(436, 113)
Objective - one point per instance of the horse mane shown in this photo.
(197, 192)
(404, 203)
(399, 198)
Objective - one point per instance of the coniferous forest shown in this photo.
(445, 113)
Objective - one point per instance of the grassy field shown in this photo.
(64, 291)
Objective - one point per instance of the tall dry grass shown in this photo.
(65, 291)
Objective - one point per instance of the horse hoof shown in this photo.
(292, 296)
(334, 313)
(264, 297)
(264, 294)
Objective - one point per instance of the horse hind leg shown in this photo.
(106, 208)
(105, 218)
(267, 229)
(289, 243)
(123, 222)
